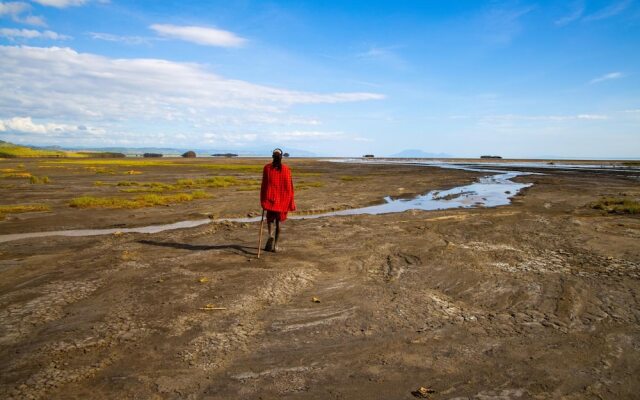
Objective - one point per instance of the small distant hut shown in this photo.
(494, 157)
(151, 155)
(189, 154)
(368, 156)
(285, 155)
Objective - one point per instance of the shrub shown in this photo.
(617, 205)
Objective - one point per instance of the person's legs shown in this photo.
(270, 241)
(275, 242)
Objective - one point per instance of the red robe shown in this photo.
(276, 192)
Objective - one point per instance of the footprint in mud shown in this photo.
(396, 264)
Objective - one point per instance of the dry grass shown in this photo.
(302, 185)
(9, 150)
(17, 175)
(148, 200)
(181, 184)
(17, 208)
(134, 163)
(37, 180)
(617, 205)
(351, 178)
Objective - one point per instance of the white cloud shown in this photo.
(200, 35)
(384, 55)
(92, 86)
(17, 9)
(27, 125)
(13, 8)
(305, 135)
(501, 25)
(607, 77)
(230, 139)
(578, 11)
(609, 11)
(32, 20)
(31, 34)
(138, 95)
(557, 118)
(61, 3)
(118, 38)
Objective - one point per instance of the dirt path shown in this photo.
(534, 300)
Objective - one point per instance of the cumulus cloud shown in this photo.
(27, 125)
(607, 77)
(16, 10)
(61, 3)
(31, 34)
(13, 8)
(138, 95)
(200, 35)
(92, 86)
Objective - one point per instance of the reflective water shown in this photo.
(489, 191)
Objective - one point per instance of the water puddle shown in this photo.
(489, 191)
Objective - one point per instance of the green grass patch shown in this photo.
(248, 188)
(39, 180)
(148, 200)
(134, 163)
(351, 178)
(10, 150)
(306, 185)
(631, 163)
(17, 175)
(183, 184)
(617, 205)
(16, 209)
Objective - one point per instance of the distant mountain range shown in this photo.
(415, 153)
(169, 151)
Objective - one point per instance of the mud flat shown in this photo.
(536, 299)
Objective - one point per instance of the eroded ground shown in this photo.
(538, 299)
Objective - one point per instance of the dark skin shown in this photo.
(275, 240)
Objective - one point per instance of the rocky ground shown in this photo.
(535, 300)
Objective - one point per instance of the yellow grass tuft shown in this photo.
(137, 163)
(35, 180)
(17, 175)
(17, 208)
(148, 200)
(351, 178)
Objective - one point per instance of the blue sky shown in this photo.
(515, 78)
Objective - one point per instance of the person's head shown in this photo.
(277, 158)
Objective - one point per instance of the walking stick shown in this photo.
(260, 235)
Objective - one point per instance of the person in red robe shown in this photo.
(276, 196)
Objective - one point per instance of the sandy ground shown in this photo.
(538, 299)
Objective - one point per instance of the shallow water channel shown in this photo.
(489, 191)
